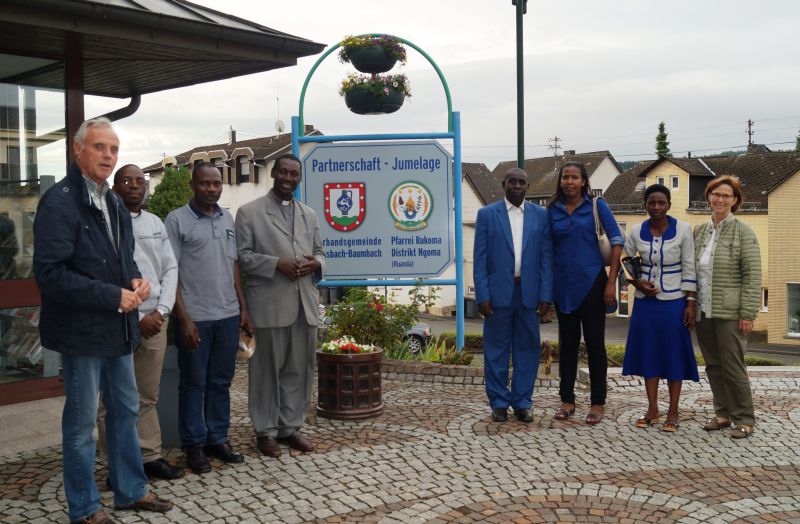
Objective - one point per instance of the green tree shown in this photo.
(662, 146)
(797, 144)
(172, 192)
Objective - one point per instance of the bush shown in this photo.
(371, 319)
(173, 192)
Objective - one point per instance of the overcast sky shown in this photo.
(599, 74)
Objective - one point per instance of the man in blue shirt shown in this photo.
(513, 275)
(210, 310)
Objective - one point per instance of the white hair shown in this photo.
(94, 122)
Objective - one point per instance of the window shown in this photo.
(673, 180)
(764, 299)
(660, 180)
(597, 192)
(243, 169)
(542, 201)
(793, 310)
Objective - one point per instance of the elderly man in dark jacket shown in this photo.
(91, 287)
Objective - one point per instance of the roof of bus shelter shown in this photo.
(142, 46)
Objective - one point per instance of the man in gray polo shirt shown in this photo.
(210, 310)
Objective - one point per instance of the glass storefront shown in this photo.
(32, 158)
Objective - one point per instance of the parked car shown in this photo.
(417, 336)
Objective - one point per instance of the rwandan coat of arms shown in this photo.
(410, 204)
(345, 205)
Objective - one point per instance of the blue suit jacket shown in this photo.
(494, 256)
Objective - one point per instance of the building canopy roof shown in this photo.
(134, 47)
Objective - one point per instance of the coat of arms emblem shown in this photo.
(410, 204)
(345, 205)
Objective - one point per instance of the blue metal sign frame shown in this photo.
(453, 133)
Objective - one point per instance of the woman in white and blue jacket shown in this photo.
(659, 343)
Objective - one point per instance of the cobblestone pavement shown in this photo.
(434, 456)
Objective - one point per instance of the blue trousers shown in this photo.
(84, 377)
(204, 399)
(514, 331)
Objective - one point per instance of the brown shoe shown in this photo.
(149, 502)
(98, 517)
(268, 446)
(298, 442)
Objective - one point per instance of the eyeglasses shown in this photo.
(721, 196)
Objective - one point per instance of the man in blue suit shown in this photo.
(513, 274)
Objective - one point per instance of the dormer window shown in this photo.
(243, 169)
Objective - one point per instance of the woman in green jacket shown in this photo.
(728, 263)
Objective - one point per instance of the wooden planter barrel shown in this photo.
(349, 385)
(362, 102)
(372, 59)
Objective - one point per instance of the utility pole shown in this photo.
(522, 8)
(553, 144)
(750, 132)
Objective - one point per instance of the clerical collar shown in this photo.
(280, 200)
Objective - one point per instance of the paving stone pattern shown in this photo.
(434, 456)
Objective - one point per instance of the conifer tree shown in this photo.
(662, 145)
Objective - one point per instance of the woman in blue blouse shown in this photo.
(659, 344)
(582, 290)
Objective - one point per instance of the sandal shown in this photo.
(563, 414)
(594, 418)
(741, 431)
(645, 422)
(670, 426)
(716, 424)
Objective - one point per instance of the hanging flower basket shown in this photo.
(372, 54)
(376, 94)
(372, 59)
(349, 380)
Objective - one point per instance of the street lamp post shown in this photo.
(522, 8)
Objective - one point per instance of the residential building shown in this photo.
(245, 164)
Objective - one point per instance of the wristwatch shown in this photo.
(164, 316)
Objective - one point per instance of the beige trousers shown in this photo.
(148, 361)
(723, 347)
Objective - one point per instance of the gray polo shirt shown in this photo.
(205, 248)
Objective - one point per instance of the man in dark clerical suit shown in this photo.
(513, 279)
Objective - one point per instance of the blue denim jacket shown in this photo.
(576, 254)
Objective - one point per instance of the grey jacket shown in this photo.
(262, 237)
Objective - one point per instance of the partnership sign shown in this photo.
(385, 209)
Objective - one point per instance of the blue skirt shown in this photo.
(659, 345)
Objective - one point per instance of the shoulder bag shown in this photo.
(602, 239)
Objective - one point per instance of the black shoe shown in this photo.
(224, 452)
(161, 469)
(500, 414)
(523, 415)
(196, 459)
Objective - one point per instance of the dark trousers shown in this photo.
(591, 316)
(204, 401)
